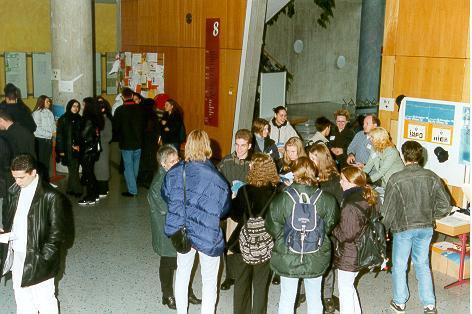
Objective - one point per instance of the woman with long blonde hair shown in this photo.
(293, 150)
(359, 203)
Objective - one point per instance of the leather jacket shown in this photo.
(45, 233)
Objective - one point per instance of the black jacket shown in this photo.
(269, 148)
(68, 134)
(21, 114)
(89, 139)
(128, 126)
(45, 233)
(6, 156)
(174, 124)
(20, 139)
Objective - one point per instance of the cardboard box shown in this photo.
(447, 262)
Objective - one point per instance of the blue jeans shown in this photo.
(417, 242)
(131, 163)
(288, 294)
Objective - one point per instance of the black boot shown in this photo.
(226, 285)
(170, 302)
(192, 299)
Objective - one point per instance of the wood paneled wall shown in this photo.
(425, 55)
(160, 25)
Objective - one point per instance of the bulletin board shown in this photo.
(15, 70)
(98, 73)
(112, 76)
(42, 74)
(443, 128)
(142, 72)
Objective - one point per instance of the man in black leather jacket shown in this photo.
(34, 217)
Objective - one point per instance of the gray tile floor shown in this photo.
(112, 268)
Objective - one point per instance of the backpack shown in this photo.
(371, 244)
(304, 230)
(255, 243)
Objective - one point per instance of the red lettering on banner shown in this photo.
(212, 71)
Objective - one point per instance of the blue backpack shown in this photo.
(304, 229)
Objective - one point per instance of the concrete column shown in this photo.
(250, 58)
(72, 52)
(371, 38)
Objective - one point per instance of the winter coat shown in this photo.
(383, 165)
(333, 187)
(21, 114)
(89, 139)
(286, 263)
(174, 123)
(68, 134)
(354, 217)
(128, 126)
(161, 244)
(20, 139)
(234, 168)
(281, 133)
(45, 123)
(208, 199)
(102, 166)
(269, 148)
(341, 140)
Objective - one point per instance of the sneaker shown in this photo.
(85, 202)
(398, 308)
(430, 309)
(102, 195)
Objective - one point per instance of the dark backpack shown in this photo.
(371, 244)
(304, 229)
(255, 243)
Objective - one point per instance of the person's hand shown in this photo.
(163, 122)
(76, 148)
(281, 149)
(62, 154)
(351, 159)
(166, 129)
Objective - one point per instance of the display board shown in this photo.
(443, 128)
(272, 93)
(98, 73)
(142, 72)
(112, 81)
(42, 74)
(15, 71)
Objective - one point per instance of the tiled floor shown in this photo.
(111, 268)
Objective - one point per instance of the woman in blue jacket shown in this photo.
(198, 204)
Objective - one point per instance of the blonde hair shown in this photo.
(326, 164)
(304, 171)
(197, 147)
(358, 177)
(262, 171)
(293, 141)
(380, 139)
(342, 112)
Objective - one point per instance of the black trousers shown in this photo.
(167, 267)
(43, 153)
(73, 179)
(251, 287)
(88, 176)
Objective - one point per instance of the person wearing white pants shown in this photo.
(348, 298)
(288, 294)
(209, 270)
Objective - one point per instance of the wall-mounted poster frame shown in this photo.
(15, 71)
(42, 74)
(112, 79)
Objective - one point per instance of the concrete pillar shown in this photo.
(371, 38)
(72, 52)
(250, 58)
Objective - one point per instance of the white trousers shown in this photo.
(288, 294)
(209, 270)
(40, 297)
(348, 298)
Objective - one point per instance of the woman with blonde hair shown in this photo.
(252, 201)
(198, 196)
(359, 204)
(385, 159)
(294, 149)
(289, 264)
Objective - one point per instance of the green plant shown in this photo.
(327, 7)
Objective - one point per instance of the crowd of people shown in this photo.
(278, 209)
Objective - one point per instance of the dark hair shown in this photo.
(127, 93)
(399, 99)
(141, 98)
(11, 91)
(412, 152)
(5, 115)
(104, 106)
(175, 107)
(70, 104)
(278, 108)
(40, 103)
(92, 112)
(23, 162)
(358, 177)
(305, 172)
(322, 123)
(244, 134)
(375, 119)
(258, 125)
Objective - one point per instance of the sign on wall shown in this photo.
(212, 71)
(443, 129)
(42, 74)
(15, 71)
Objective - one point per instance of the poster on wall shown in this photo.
(42, 74)
(212, 71)
(142, 72)
(443, 129)
(15, 70)
(113, 67)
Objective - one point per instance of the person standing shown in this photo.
(34, 216)
(20, 139)
(290, 265)
(102, 165)
(360, 202)
(128, 126)
(69, 130)
(198, 197)
(172, 124)
(234, 167)
(16, 108)
(45, 129)
(167, 157)
(414, 198)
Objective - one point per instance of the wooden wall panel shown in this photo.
(169, 22)
(192, 35)
(218, 9)
(236, 16)
(443, 26)
(390, 27)
(386, 89)
(433, 78)
(466, 85)
(129, 13)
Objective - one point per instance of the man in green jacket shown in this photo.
(288, 264)
(167, 156)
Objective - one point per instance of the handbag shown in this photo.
(180, 239)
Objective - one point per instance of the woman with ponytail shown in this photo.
(359, 200)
